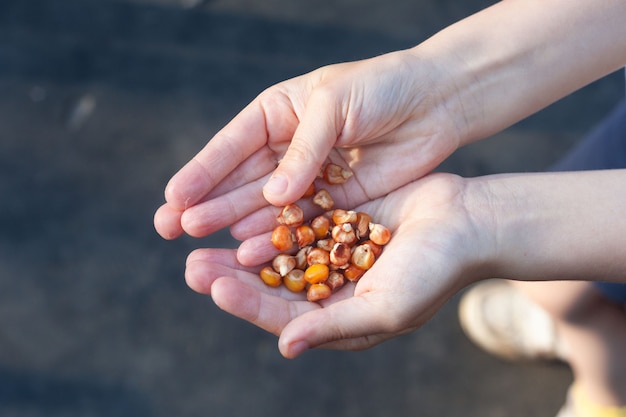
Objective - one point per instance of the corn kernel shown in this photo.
(323, 199)
(294, 280)
(320, 226)
(353, 273)
(340, 254)
(291, 215)
(305, 235)
(282, 238)
(363, 257)
(270, 277)
(379, 234)
(317, 292)
(316, 273)
(335, 280)
(335, 174)
(283, 263)
(344, 233)
(318, 256)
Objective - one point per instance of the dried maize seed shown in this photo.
(344, 233)
(282, 238)
(335, 174)
(353, 273)
(363, 257)
(283, 263)
(326, 244)
(294, 280)
(323, 199)
(376, 249)
(341, 216)
(363, 221)
(317, 292)
(320, 226)
(291, 215)
(301, 262)
(340, 254)
(270, 277)
(318, 256)
(335, 280)
(379, 234)
(316, 273)
(305, 235)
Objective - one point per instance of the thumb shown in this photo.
(312, 141)
(353, 323)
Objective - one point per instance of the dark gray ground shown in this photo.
(100, 102)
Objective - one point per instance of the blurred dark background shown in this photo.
(101, 101)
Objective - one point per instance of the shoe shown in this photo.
(504, 322)
(578, 405)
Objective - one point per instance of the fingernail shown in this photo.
(276, 185)
(297, 348)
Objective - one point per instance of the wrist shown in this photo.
(514, 58)
(550, 226)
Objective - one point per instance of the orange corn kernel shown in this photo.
(294, 280)
(340, 254)
(316, 273)
(305, 236)
(335, 280)
(282, 238)
(301, 262)
(353, 273)
(323, 199)
(363, 221)
(320, 226)
(326, 244)
(291, 215)
(344, 233)
(318, 256)
(376, 249)
(341, 216)
(379, 234)
(335, 174)
(270, 277)
(363, 257)
(283, 263)
(317, 292)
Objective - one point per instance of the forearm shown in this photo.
(518, 56)
(552, 226)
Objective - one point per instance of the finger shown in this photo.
(167, 222)
(354, 317)
(267, 311)
(203, 266)
(378, 308)
(264, 219)
(258, 165)
(312, 141)
(242, 137)
(257, 250)
(212, 215)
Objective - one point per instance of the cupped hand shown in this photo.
(435, 250)
(383, 118)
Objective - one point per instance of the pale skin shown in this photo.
(392, 119)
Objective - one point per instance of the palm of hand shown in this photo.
(421, 268)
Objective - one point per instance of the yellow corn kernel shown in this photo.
(270, 277)
(316, 273)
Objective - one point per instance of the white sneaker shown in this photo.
(503, 321)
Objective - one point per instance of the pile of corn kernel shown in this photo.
(321, 255)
